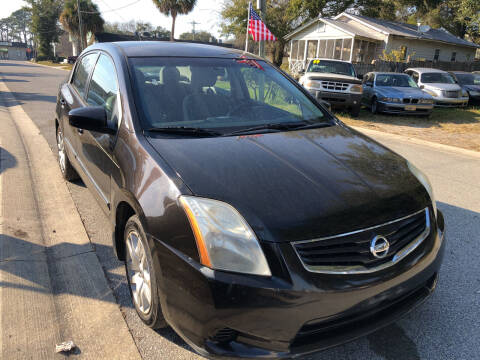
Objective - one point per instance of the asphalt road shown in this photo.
(447, 326)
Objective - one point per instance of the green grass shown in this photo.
(52, 64)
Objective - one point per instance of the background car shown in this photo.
(335, 82)
(441, 85)
(396, 94)
(469, 82)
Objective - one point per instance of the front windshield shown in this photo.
(333, 67)
(437, 77)
(223, 95)
(468, 79)
(395, 80)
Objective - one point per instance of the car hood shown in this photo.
(448, 87)
(329, 76)
(298, 185)
(396, 91)
(472, 87)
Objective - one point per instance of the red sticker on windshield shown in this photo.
(251, 62)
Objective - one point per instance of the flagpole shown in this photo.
(248, 23)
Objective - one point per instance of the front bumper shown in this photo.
(338, 99)
(295, 312)
(409, 109)
(441, 101)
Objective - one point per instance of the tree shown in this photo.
(91, 20)
(21, 20)
(45, 24)
(204, 36)
(173, 8)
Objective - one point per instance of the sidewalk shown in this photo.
(52, 286)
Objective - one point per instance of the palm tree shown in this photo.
(91, 20)
(173, 8)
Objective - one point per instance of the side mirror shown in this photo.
(93, 118)
(422, 86)
(302, 72)
(360, 77)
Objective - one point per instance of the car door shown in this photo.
(96, 150)
(72, 95)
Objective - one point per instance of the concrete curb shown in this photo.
(441, 147)
(74, 290)
(50, 67)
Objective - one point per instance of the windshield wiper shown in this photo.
(279, 127)
(184, 130)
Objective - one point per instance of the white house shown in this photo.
(362, 39)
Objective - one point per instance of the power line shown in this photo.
(111, 10)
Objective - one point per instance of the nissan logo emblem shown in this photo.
(379, 246)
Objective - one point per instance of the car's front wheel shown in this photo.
(141, 276)
(66, 167)
(374, 106)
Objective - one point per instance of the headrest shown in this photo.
(170, 74)
(203, 76)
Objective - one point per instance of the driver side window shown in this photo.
(103, 90)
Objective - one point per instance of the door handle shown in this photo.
(63, 102)
(80, 131)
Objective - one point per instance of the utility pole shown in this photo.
(80, 27)
(193, 22)
(262, 8)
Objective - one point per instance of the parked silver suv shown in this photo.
(441, 85)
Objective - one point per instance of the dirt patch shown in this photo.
(454, 127)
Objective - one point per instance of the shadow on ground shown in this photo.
(7, 160)
(20, 98)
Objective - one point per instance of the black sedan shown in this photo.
(250, 220)
(469, 82)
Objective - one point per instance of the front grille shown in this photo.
(451, 94)
(351, 252)
(410, 101)
(334, 86)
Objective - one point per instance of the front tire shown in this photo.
(68, 172)
(355, 111)
(374, 106)
(142, 281)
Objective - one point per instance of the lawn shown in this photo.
(52, 64)
(454, 127)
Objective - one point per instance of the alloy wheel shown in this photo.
(138, 272)
(61, 150)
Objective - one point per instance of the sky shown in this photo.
(206, 13)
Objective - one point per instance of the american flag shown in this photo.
(257, 28)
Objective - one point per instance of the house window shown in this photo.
(294, 53)
(312, 49)
(301, 50)
(329, 50)
(454, 56)
(347, 47)
(338, 49)
(437, 55)
(321, 48)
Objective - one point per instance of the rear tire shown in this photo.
(142, 281)
(374, 106)
(68, 172)
(355, 111)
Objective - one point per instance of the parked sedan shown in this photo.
(470, 83)
(395, 94)
(441, 85)
(249, 218)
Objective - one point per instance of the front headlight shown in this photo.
(224, 239)
(474, 93)
(430, 92)
(358, 89)
(423, 179)
(312, 84)
(426, 101)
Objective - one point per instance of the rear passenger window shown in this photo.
(103, 89)
(82, 71)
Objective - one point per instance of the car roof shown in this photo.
(424, 70)
(386, 73)
(170, 49)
